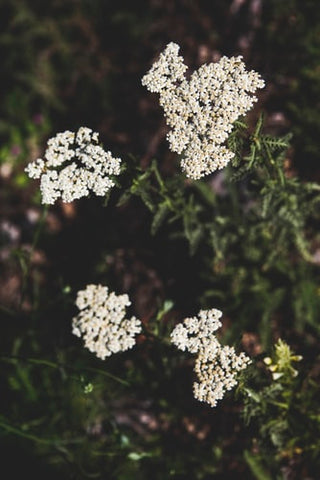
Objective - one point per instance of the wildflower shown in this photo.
(101, 321)
(217, 372)
(281, 365)
(194, 332)
(201, 111)
(216, 366)
(73, 165)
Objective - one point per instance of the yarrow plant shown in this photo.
(195, 333)
(201, 111)
(216, 366)
(256, 242)
(102, 323)
(73, 166)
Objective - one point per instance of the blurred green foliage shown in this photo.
(289, 43)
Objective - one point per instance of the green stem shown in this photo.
(26, 271)
(30, 436)
(58, 365)
(6, 310)
(275, 165)
(281, 175)
(158, 176)
(156, 338)
(253, 156)
(39, 228)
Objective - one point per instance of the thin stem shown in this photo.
(158, 176)
(277, 167)
(281, 175)
(30, 436)
(6, 310)
(26, 270)
(59, 365)
(39, 228)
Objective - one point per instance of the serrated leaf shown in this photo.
(240, 174)
(274, 143)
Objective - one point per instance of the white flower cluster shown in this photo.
(73, 165)
(101, 321)
(216, 366)
(195, 333)
(201, 111)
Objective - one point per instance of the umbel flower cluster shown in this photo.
(73, 166)
(216, 366)
(201, 111)
(102, 323)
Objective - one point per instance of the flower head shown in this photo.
(216, 366)
(102, 323)
(282, 363)
(194, 333)
(201, 111)
(73, 166)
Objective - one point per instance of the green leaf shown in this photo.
(124, 198)
(252, 394)
(159, 217)
(259, 126)
(166, 307)
(194, 239)
(256, 467)
(135, 456)
(276, 143)
(147, 199)
(107, 198)
(206, 192)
